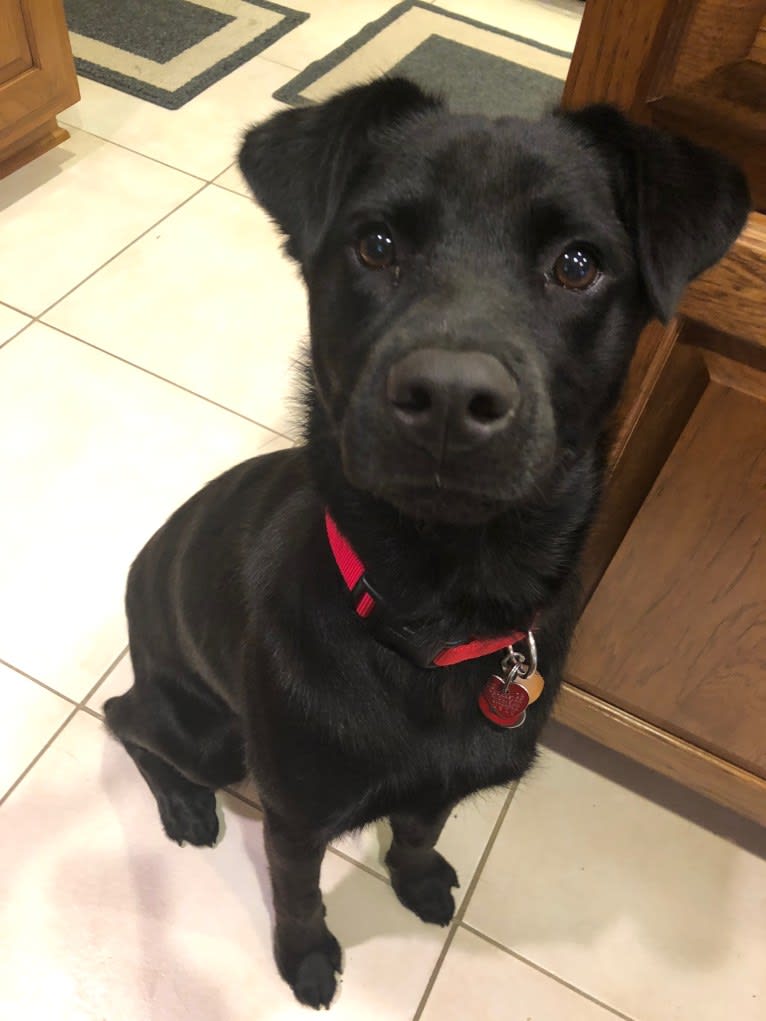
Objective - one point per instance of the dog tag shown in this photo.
(503, 703)
(504, 700)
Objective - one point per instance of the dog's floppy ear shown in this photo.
(683, 205)
(299, 162)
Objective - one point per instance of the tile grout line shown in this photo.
(287, 67)
(39, 755)
(38, 318)
(76, 707)
(203, 185)
(14, 308)
(37, 681)
(170, 382)
(140, 368)
(136, 152)
(18, 333)
(359, 864)
(203, 181)
(91, 712)
(92, 691)
(240, 797)
(225, 187)
(543, 971)
(460, 913)
(252, 803)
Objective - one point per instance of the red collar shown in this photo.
(402, 637)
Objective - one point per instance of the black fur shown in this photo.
(247, 654)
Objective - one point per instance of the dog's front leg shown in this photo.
(306, 952)
(421, 878)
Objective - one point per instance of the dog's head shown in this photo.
(476, 287)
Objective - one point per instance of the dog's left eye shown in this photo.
(576, 268)
(375, 246)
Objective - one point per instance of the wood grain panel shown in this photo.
(652, 352)
(732, 99)
(672, 640)
(758, 49)
(15, 54)
(676, 631)
(32, 145)
(734, 374)
(36, 95)
(621, 51)
(738, 349)
(716, 32)
(663, 411)
(730, 297)
(726, 111)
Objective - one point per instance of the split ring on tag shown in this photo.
(504, 700)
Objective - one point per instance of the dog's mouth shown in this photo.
(442, 505)
(464, 490)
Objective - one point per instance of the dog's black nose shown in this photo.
(450, 401)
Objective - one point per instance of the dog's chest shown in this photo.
(443, 767)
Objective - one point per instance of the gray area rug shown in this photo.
(477, 82)
(476, 67)
(168, 51)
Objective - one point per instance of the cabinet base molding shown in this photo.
(667, 754)
(27, 148)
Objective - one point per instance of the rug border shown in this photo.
(291, 19)
(290, 93)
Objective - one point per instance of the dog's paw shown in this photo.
(190, 818)
(312, 975)
(427, 890)
(315, 982)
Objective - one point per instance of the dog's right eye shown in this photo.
(576, 268)
(375, 246)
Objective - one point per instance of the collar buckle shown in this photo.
(415, 642)
(398, 635)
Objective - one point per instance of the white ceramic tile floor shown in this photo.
(479, 980)
(209, 289)
(124, 924)
(95, 455)
(593, 901)
(30, 716)
(200, 138)
(11, 322)
(66, 213)
(328, 26)
(553, 22)
(232, 179)
(462, 842)
(464, 838)
(642, 909)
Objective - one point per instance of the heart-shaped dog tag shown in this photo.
(503, 703)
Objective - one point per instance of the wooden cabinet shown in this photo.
(37, 79)
(669, 660)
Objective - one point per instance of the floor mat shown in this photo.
(168, 51)
(476, 67)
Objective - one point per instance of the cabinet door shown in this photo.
(669, 660)
(37, 76)
(673, 638)
(697, 67)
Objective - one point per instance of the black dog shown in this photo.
(327, 618)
